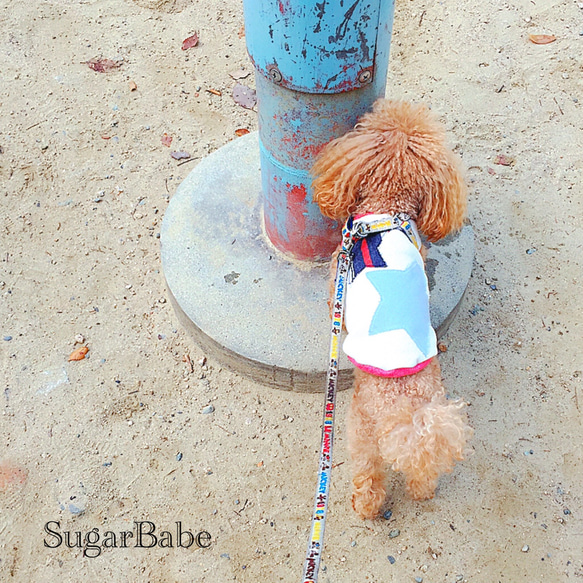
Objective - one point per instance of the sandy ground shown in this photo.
(120, 436)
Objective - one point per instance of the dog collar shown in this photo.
(364, 225)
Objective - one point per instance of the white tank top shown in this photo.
(387, 307)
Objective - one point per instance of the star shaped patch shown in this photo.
(403, 304)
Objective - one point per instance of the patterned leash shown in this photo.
(352, 231)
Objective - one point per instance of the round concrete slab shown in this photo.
(251, 308)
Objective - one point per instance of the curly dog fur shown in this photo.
(396, 160)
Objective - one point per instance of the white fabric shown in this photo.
(394, 348)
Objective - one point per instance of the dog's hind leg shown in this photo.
(368, 468)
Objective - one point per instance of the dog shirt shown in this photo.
(387, 306)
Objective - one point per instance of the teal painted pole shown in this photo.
(318, 67)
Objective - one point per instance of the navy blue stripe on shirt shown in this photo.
(358, 263)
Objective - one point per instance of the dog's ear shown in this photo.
(340, 172)
(443, 204)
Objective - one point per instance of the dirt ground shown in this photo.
(121, 436)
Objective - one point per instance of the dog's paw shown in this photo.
(421, 489)
(367, 499)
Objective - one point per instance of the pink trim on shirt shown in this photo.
(398, 372)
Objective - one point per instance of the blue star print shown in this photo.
(401, 311)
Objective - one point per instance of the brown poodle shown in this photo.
(396, 161)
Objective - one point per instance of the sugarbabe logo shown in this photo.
(142, 536)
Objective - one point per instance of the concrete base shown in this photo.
(254, 310)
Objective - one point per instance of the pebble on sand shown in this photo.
(74, 509)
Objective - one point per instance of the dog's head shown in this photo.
(394, 160)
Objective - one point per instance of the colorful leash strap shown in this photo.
(352, 231)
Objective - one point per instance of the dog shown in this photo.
(395, 163)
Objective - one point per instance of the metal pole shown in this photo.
(319, 66)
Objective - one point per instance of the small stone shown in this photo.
(208, 409)
(424, 568)
(76, 510)
(418, 579)
(79, 338)
(387, 515)
(106, 464)
(225, 556)
(530, 251)
(566, 512)
(391, 559)
(353, 543)
(459, 578)
(180, 155)
(179, 457)
(7, 338)
(525, 549)
(394, 533)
